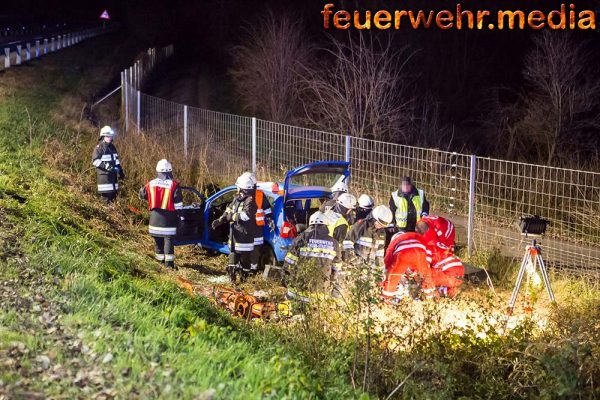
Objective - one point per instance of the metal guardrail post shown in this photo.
(254, 144)
(126, 89)
(6, 57)
(37, 48)
(185, 131)
(28, 51)
(471, 220)
(18, 59)
(45, 46)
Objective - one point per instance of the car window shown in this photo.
(225, 198)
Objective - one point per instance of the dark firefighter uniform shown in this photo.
(365, 242)
(247, 221)
(312, 262)
(108, 170)
(164, 199)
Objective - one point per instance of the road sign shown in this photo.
(104, 15)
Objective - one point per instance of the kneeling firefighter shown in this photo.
(164, 197)
(247, 215)
(312, 260)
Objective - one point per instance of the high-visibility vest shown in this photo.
(160, 194)
(402, 207)
(260, 213)
(335, 220)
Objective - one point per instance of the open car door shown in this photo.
(317, 177)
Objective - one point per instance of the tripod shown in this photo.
(533, 254)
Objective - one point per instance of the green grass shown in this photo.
(108, 298)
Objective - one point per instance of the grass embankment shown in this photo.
(83, 311)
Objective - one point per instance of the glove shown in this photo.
(217, 223)
(108, 166)
(119, 170)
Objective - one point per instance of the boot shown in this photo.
(232, 272)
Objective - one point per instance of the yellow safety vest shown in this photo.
(335, 220)
(402, 207)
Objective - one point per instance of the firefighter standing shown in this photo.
(340, 216)
(312, 260)
(408, 205)
(108, 167)
(164, 197)
(365, 206)
(247, 215)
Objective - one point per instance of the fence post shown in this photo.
(471, 221)
(45, 46)
(37, 48)
(254, 144)
(7, 57)
(185, 131)
(126, 88)
(139, 109)
(122, 93)
(28, 51)
(348, 147)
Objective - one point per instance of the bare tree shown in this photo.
(266, 66)
(361, 90)
(561, 101)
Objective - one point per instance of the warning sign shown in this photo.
(104, 15)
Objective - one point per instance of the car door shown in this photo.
(191, 227)
(216, 204)
(317, 177)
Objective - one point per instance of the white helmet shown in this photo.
(246, 181)
(383, 215)
(164, 166)
(340, 185)
(318, 218)
(107, 131)
(365, 201)
(347, 200)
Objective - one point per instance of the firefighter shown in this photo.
(407, 261)
(447, 271)
(108, 167)
(437, 230)
(312, 260)
(408, 205)
(164, 198)
(338, 189)
(340, 215)
(366, 239)
(247, 215)
(365, 206)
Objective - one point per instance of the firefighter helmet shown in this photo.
(365, 201)
(164, 166)
(318, 218)
(340, 185)
(347, 200)
(383, 215)
(246, 181)
(107, 131)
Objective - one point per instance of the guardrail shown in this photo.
(18, 52)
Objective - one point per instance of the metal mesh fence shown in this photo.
(503, 190)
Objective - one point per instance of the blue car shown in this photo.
(302, 192)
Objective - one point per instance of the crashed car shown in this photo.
(292, 201)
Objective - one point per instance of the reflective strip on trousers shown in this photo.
(159, 257)
(159, 230)
(169, 257)
(108, 187)
(243, 247)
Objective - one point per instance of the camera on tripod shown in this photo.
(533, 225)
